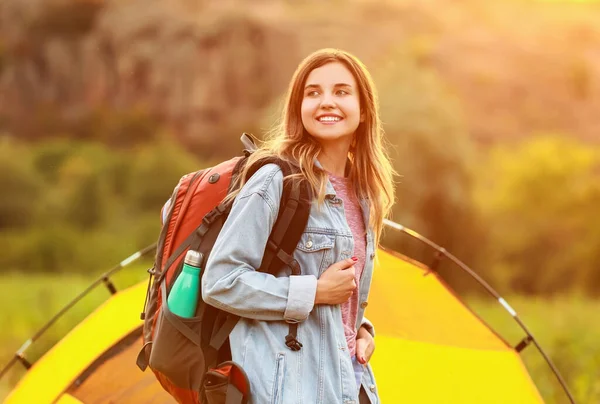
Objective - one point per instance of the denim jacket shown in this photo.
(320, 372)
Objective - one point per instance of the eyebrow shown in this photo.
(335, 85)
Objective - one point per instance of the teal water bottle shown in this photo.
(183, 298)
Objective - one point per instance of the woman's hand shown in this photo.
(336, 284)
(365, 346)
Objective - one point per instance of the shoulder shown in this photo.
(266, 182)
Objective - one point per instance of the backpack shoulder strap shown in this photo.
(288, 228)
(291, 220)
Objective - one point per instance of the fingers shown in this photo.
(345, 264)
(360, 352)
(350, 279)
(338, 281)
(364, 350)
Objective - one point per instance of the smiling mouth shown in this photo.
(329, 119)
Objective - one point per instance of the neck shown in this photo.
(333, 157)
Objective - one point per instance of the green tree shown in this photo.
(49, 157)
(82, 192)
(87, 203)
(541, 201)
(20, 185)
(156, 171)
(432, 153)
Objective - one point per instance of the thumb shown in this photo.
(347, 263)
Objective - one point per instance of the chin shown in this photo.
(328, 137)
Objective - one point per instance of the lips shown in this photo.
(329, 118)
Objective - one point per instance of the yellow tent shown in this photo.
(430, 349)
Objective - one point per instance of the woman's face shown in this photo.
(330, 104)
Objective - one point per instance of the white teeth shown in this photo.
(329, 119)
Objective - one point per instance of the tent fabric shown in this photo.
(113, 380)
(67, 399)
(430, 348)
(60, 367)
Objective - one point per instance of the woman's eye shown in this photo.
(342, 92)
(312, 93)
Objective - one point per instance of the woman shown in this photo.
(331, 130)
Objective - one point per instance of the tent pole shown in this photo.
(490, 290)
(104, 278)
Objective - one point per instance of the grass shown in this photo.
(567, 328)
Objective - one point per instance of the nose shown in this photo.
(327, 102)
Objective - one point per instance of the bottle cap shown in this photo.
(194, 258)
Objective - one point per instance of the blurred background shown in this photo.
(490, 109)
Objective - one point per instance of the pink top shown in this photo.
(354, 217)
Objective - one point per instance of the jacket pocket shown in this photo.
(347, 377)
(313, 242)
(279, 379)
(316, 250)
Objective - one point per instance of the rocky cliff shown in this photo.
(207, 68)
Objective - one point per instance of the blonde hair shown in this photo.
(371, 172)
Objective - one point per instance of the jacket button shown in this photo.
(364, 304)
(309, 244)
(372, 388)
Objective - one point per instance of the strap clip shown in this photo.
(211, 216)
(214, 214)
(292, 343)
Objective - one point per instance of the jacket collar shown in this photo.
(330, 192)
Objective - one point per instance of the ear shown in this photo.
(362, 116)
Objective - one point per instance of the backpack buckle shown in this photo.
(211, 216)
(292, 343)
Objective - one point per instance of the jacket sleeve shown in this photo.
(231, 281)
(368, 326)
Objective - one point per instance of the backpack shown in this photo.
(191, 358)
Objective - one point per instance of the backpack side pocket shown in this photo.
(176, 350)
